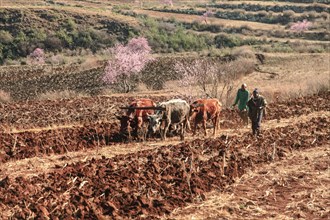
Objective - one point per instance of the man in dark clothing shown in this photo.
(242, 98)
(257, 109)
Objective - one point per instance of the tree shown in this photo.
(214, 78)
(301, 26)
(203, 72)
(127, 62)
(37, 56)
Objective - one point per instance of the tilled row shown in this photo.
(31, 114)
(57, 141)
(151, 183)
(44, 113)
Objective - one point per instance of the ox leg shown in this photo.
(167, 125)
(184, 126)
(204, 127)
(215, 126)
(195, 127)
(145, 131)
(140, 129)
(129, 131)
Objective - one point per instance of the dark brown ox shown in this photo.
(203, 110)
(136, 120)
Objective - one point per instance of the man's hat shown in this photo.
(244, 85)
(255, 91)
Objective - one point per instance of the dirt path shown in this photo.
(296, 187)
(30, 167)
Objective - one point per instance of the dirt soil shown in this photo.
(154, 182)
(87, 172)
(294, 188)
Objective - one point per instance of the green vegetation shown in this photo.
(18, 39)
(260, 16)
(274, 8)
(167, 37)
(62, 28)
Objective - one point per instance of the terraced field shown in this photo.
(65, 158)
(76, 172)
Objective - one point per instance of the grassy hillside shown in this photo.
(54, 29)
(58, 26)
(78, 34)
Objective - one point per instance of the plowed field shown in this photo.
(65, 160)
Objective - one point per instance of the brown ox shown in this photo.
(202, 110)
(136, 120)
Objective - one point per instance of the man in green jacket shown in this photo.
(242, 98)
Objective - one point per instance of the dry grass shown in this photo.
(282, 76)
(291, 75)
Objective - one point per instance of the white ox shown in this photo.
(175, 112)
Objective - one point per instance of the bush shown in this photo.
(224, 40)
(6, 37)
(70, 25)
(36, 35)
(53, 43)
(65, 38)
(84, 39)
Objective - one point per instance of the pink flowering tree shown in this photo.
(301, 26)
(127, 62)
(167, 2)
(37, 56)
(206, 14)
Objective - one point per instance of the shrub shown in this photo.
(58, 59)
(6, 37)
(37, 56)
(224, 40)
(84, 39)
(65, 38)
(37, 35)
(70, 25)
(288, 13)
(53, 43)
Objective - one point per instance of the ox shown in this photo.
(202, 110)
(136, 119)
(174, 112)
